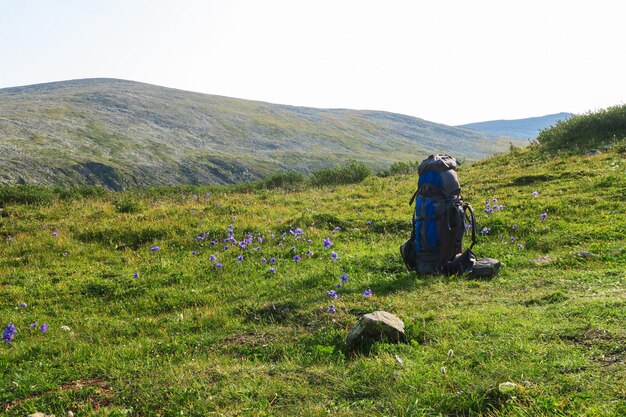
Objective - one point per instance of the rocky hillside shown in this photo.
(122, 134)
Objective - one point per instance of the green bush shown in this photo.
(25, 194)
(286, 180)
(400, 168)
(351, 173)
(80, 193)
(583, 132)
(127, 204)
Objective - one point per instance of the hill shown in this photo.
(520, 129)
(221, 303)
(122, 134)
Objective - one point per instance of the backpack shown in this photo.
(439, 219)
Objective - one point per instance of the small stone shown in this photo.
(376, 326)
(39, 414)
(507, 387)
(585, 254)
(542, 260)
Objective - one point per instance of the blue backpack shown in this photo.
(439, 219)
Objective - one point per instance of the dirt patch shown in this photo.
(611, 348)
(100, 397)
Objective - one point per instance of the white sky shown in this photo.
(448, 61)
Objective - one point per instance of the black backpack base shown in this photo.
(463, 264)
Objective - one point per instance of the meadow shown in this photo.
(219, 301)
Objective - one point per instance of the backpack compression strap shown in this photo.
(472, 219)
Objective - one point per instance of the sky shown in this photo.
(447, 61)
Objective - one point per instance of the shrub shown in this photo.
(25, 194)
(127, 204)
(80, 193)
(582, 132)
(351, 173)
(399, 168)
(286, 180)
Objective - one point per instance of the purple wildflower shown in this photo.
(218, 265)
(259, 239)
(155, 248)
(33, 325)
(199, 238)
(309, 241)
(280, 245)
(309, 252)
(367, 292)
(9, 333)
(299, 231)
(44, 328)
(240, 258)
(332, 308)
(225, 247)
(535, 194)
(213, 243)
(369, 222)
(485, 231)
(327, 242)
(332, 294)
(543, 216)
(512, 239)
(212, 258)
(514, 227)
(54, 234)
(272, 260)
(136, 275)
(344, 278)
(263, 260)
(297, 258)
(334, 256)
(233, 218)
(23, 305)
(193, 252)
(520, 246)
(272, 269)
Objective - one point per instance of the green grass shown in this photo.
(187, 338)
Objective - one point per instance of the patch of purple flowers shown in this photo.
(367, 292)
(9, 333)
(332, 308)
(332, 294)
(334, 256)
(327, 243)
(155, 248)
(43, 328)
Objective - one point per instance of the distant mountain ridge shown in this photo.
(527, 128)
(121, 134)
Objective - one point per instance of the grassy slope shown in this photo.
(124, 134)
(187, 338)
